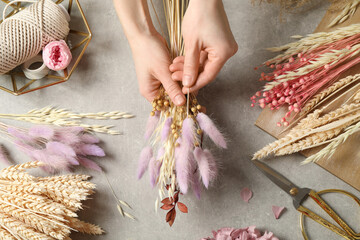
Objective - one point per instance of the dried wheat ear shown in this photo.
(318, 129)
(42, 207)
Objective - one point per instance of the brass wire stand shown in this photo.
(15, 81)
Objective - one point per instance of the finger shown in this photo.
(176, 67)
(179, 59)
(177, 76)
(203, 57)
(211, 68)
(150, 92)
(191, 65)
(172, 88)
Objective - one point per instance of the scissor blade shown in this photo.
(275, 177)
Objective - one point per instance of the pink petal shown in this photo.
(277, 211)
(246, 194)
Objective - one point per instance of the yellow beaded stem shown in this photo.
(188, 102)
(347, 234)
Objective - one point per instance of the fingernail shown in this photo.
(187, 80)
(179, 100)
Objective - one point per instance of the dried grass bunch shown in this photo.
(320, 128)
(66, 143)
(65, 118)
(174, 155)
(42, 207)
(307, 67)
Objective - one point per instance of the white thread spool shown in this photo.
(23, 35)
(37, 73)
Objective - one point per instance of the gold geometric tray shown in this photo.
(79, 38)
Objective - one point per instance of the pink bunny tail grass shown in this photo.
(145, 156)
(55, 162)
(89, 138)
(182, 154)
(68, 136)
(194, 176)
(89, 164)
(188, 130)
(4, 156)
(19, 134)
(166, 129)
(154, 170)
(61, 149)
(208, 126)
(42, 132)
(151, 125)
(207, 165)
(91, 150)
(196, 185)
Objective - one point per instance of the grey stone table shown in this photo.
(106, 81)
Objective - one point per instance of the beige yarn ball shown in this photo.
(23, 35)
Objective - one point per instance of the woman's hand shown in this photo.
(209, 43)
(149, 49)
(152, 60)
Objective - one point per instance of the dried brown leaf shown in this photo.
(167, 207)
(167, 201)
(182, 207)
(169, 215)
(173, 216)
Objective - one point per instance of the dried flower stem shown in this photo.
(330, 149)
(347, 12)
(63, 117)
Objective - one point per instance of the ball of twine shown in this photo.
(23, 35)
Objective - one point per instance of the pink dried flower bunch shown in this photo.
(296, 77)
(192, 162)
(60, 148)
(249, 233)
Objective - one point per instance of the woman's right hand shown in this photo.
(152, 59)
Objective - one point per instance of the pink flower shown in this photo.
(249, 233)
(57, 55)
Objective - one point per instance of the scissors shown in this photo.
(299, 195)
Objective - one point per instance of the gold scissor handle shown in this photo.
(346, 232)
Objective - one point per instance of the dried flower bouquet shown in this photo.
(42, 207)
(174, 155)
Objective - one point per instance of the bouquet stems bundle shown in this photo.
(307, 67)
(174, 155)
(42, 208)
(319, 128)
